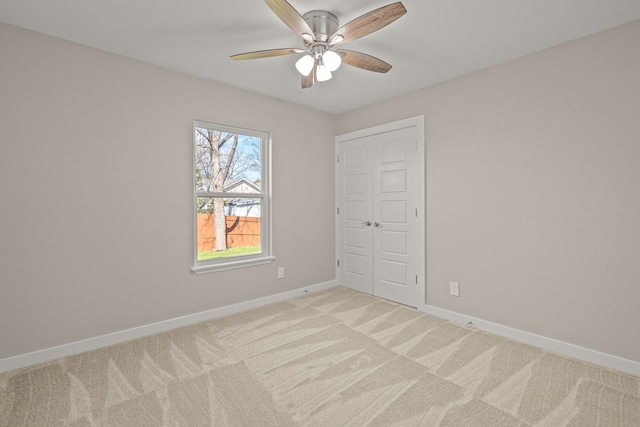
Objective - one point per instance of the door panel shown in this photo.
(357, 210)
(393, 181)
(393, 242)
(355, 238)
(394, 272)
(393, 211)
(355, 184)
(356, 265)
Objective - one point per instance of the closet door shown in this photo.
(355, 213)
(394, 216)
(377, 215)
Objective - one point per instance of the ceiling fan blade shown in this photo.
(310, 80)
(368, 23)
(267, 53)
(364, 61)
(291, 17)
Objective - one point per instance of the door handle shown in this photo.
(377, 224)
(367, 223)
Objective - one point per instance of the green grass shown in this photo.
(229, 252)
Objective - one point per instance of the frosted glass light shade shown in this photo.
(323, 73)
(332, 60)
(304, 65)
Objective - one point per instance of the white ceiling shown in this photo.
(435, 41)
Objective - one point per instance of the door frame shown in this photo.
(418, 123)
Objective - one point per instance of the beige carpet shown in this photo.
(336, 358)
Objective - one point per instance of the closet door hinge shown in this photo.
(337, 158)
(338, 263)
(338, 210)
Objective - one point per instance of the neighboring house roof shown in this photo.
(242, 206)
(242, 186)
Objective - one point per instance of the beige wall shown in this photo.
(83, 131)
(533, 190)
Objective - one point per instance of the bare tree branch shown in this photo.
(230, 159)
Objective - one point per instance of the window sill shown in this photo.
(230, 265)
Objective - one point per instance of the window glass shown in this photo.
(231, 197)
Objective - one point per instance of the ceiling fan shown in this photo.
(320, 33)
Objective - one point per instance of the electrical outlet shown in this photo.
(280, 272)
(454, 289)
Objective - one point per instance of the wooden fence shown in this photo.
(242, 231)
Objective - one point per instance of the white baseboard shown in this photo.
(45, 355)
(556, 346)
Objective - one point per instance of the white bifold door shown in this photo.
(378, 214)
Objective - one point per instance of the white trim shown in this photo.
(556, 346)
(241, 263)
(48, 354)
(417, 121)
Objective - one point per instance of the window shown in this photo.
(231, 197)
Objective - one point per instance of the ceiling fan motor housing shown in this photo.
(322, 23)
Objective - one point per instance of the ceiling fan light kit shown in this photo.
(332, 60)
(320, 34)
(305, 64)
(323, 74)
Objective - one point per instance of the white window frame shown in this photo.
(265, 256)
